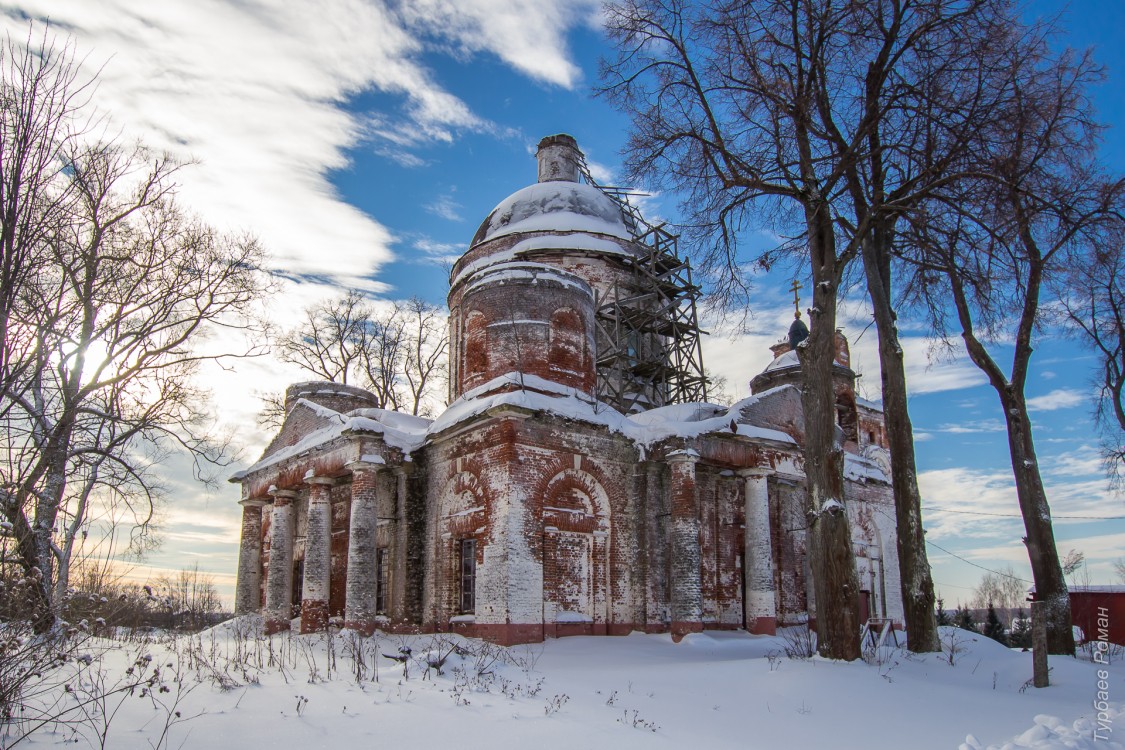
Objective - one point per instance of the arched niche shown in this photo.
(476, 348)
(567, 344)
(576, 550)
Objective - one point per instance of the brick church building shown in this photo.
(578, 482)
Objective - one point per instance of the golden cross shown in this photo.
(795, 288)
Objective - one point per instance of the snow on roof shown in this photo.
(691, 412)
(554, 206)
(399, 430)
(536, 394)
(308, 442)
(575, 241)
(862, 469)
(789, 359)
(874, 405)
(1103, 589)
(320, 411)
(646, 428)
(397, 420)
(522, 270)
(695, 419)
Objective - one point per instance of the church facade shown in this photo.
(559, 493)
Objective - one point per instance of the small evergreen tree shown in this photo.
(942, 615)
(993, 628)
(1020, 636)
(963, 618)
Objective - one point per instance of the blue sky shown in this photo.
(364, 144)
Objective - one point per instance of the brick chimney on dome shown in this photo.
(559, 159)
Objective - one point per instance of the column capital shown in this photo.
(682, 456)
(311, 478)
(283, 494)
(366, 463)
(253, 502)
(756, 472)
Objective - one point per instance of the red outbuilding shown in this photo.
(1100, 612)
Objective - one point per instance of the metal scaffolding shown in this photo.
(647, 330)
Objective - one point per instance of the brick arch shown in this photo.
(460, 494)
(576, 554)
(867, 542)
(573, 491)
(464, 508)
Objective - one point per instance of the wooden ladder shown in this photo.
(876, 630)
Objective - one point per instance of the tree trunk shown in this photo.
(830, 551)
(38, 584)
(916, 580)
(1046, 570)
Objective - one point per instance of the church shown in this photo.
(578, 483)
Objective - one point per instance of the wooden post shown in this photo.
(1039, 643)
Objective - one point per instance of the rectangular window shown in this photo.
(381, 589)
(468, 569)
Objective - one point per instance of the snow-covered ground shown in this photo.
(230, 688)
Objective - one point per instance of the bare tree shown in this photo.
(41, 117)
(427, 340)
(384, 358)
(396, 350)
(1002, 589)
(1119, 569)
(1094, 301)
(806, 117)
(1073, 561)
(926, 89)
(995, 245)
(114, 288)
(332, 339)
(724, 103)
(718, 389)
(189, 597)
(272, 413)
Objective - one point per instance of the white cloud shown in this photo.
(931, 366)
(980, 503)
(1060, 398)
(255, 93)
(973, 427)
(529, 35)
(445, 207)
(1083, 461)
(441, 253)
(967, 492)
(603, 175)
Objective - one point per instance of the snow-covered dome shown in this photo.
(785, 361)
(558, 206)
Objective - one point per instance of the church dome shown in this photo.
(555, 206)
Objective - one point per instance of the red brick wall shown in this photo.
(538, 326)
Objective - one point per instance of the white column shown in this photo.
(359, 608)
(686, 554)
(279, 584)
(318, 556)
(248, 594)
(757, 558)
